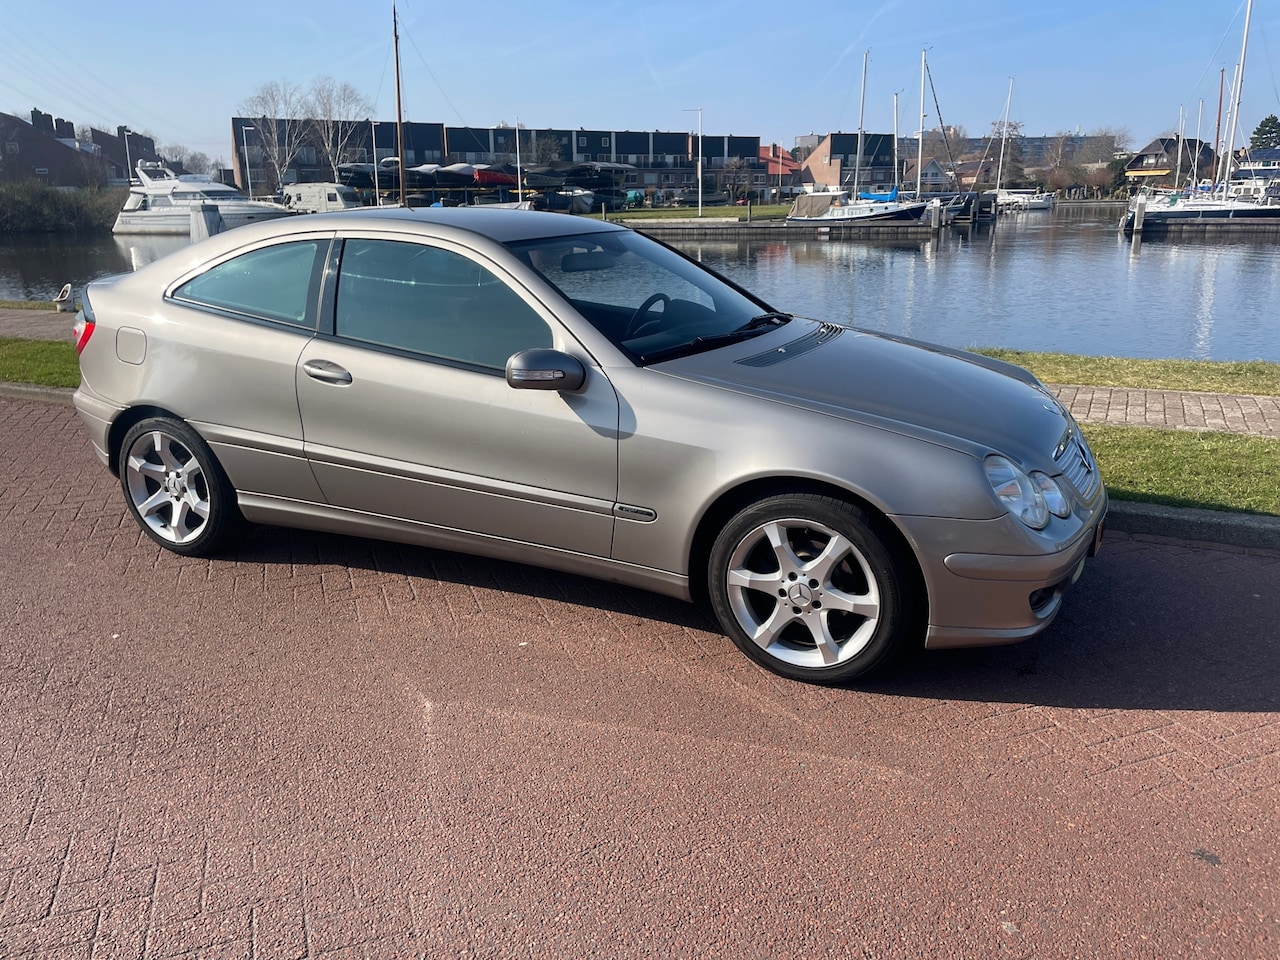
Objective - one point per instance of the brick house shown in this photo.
(46, 150)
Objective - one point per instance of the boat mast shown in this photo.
(1177, 172)
(862, 105)
(920, 146)
(1004, 138)
(1217, 127)
(1236, 96)
(519, 175)
(395, 36)
(896, 171)
(1194, 176)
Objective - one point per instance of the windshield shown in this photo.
(646, 298)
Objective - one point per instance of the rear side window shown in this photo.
(432, 301)
(277, 283)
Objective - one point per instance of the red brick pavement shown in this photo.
(329, 747)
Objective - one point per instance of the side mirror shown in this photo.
(545, 369)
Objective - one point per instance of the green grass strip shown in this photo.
(27, 304)
(1207, 376)
(1183, 468)
(47, 363)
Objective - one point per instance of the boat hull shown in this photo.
(1240, 214)
(872, 212)
(177, 222)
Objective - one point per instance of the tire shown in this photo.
(175, 487)
(807, 587)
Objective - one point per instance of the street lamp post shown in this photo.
(699, 166)
(373, 127)
(244, 138)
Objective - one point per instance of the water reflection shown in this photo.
(1064, 280)
(36, 267)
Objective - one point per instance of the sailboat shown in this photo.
(1215, 203)
(838, 206)
(1015, 199)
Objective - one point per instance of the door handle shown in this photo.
(326, 371)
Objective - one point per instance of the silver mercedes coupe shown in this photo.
(559, 391)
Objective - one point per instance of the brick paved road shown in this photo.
(321, 746)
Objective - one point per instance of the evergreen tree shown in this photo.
(1267, 134)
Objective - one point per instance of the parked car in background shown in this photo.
(569, 393)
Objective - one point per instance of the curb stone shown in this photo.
(1256, 531)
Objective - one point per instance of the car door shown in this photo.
(407, 413)
(224, 356)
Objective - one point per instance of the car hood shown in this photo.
(949, 396)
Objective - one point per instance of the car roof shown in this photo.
(501, 225)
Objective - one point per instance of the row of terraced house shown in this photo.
(47, 149)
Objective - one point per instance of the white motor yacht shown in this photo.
(163, 201)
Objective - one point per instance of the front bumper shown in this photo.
(990, 598)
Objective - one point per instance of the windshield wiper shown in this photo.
(772, 318)
(752, 328)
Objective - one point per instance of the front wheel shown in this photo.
(175, 488)
(809, 588)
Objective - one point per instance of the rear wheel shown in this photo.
(175, 488)
(808, 587)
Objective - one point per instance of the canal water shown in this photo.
(1064, 280)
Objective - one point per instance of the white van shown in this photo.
(319, 197)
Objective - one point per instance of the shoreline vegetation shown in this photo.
(34, 208)
(1181, 468)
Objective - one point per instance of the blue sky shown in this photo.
(755, 67)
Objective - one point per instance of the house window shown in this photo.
(604, 141)
(307, 155)
(11, 148)
(582, 141)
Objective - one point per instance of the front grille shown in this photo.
(1076, 461)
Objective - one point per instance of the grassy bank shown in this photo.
(1252, 376)
(1183, 468)
(27, 305)
(32, 207)
(1215, 471)
(46, 363)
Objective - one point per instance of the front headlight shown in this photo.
(1020, 495)
(1054, 498)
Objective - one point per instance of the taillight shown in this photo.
(82, 331)
(85, 322)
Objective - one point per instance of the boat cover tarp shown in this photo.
(810, 205)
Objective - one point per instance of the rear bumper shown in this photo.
(97, 415)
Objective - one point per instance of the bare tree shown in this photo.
(1100, 178)
(734, 177)
(279, 111)
(536, 149)
(1104, 143)
(337, 110)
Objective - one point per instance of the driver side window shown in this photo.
(434, 302)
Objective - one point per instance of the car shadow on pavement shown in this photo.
(1151, 625)
(277, 545)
